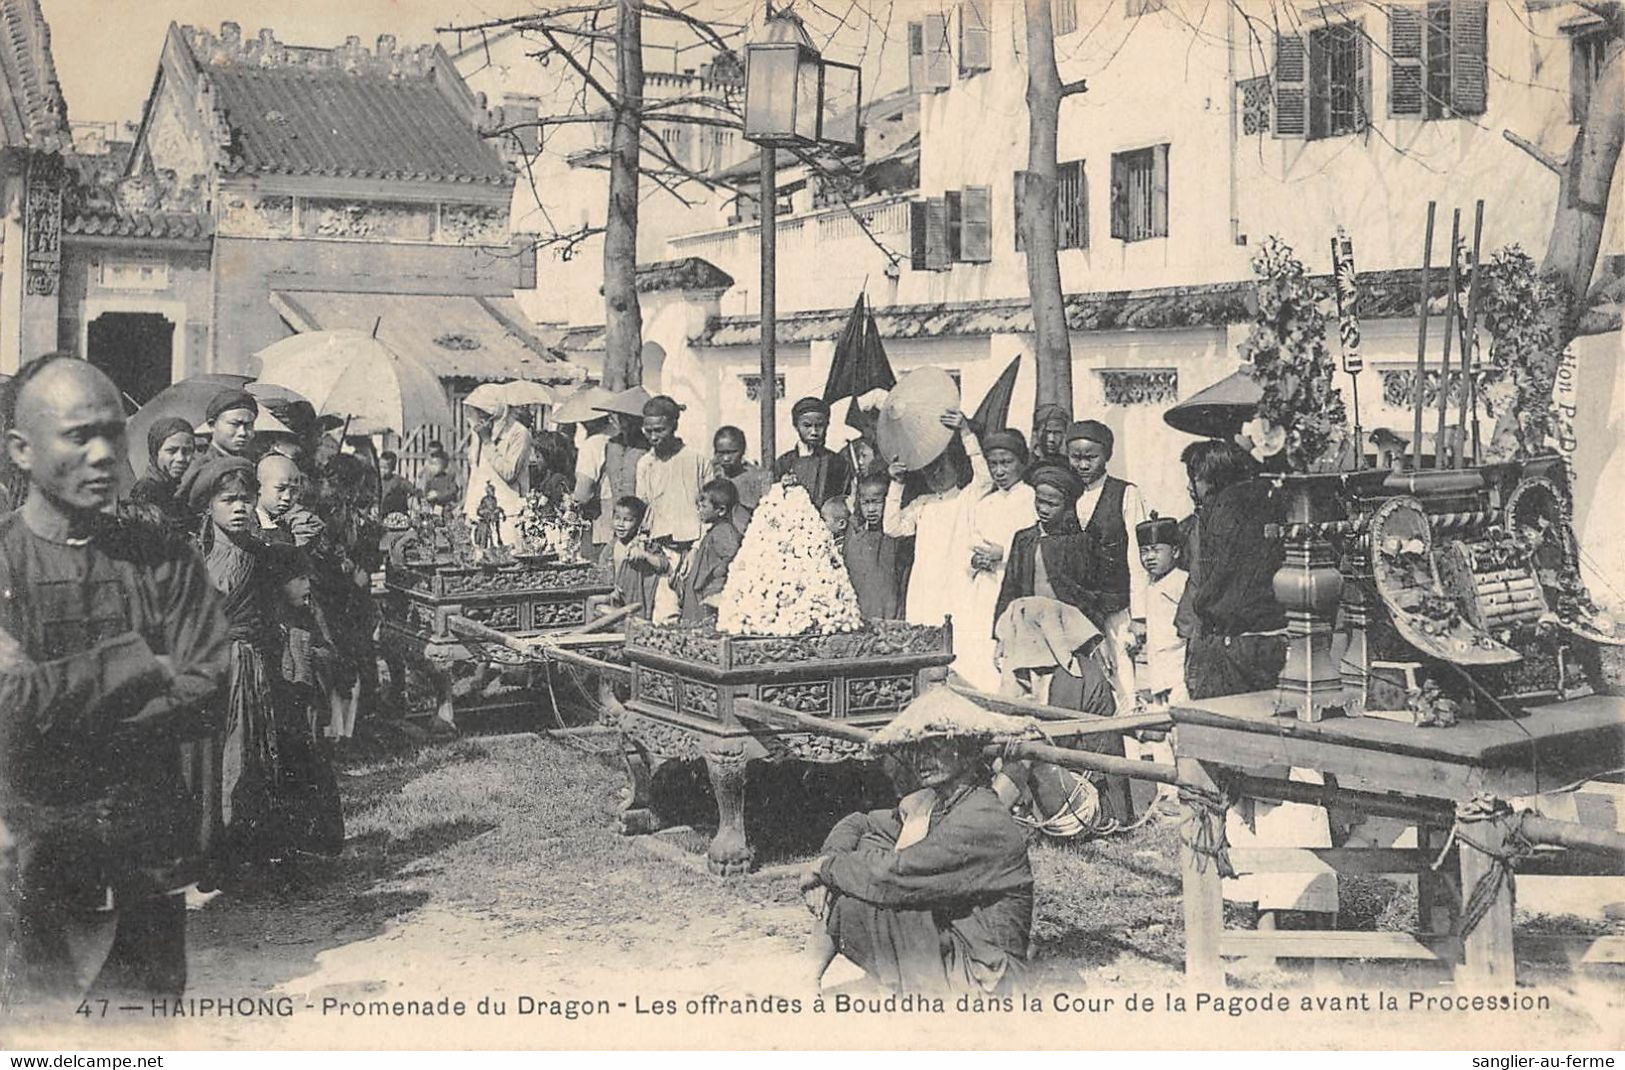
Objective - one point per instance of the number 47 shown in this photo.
(84, 1008)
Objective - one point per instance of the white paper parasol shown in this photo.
(354, 375)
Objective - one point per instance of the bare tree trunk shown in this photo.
(1582, 200)
(1052, 347)
(623, 317)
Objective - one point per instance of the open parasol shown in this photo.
(910, 428)
(188, 399)
(354, 375)
(1220, 410)
(582, 406)
(487, 397)
(526, 392)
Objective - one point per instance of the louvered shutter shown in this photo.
(1159, 191)
(936, 234)
(1018, 189)
(976, 225)
(1291, 86)
(1120, 198)
(939, 59)
(916, 58)
(952, 215)
(975, 40)
(917, 235)
(1362, 80)
(1469, 46)
(1405, 72)
(1063, 16)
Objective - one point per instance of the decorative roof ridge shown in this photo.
(264, 52)
(40, 104)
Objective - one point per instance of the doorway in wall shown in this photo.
(135, 349)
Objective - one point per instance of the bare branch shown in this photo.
(586, 75)
(702, 29)
(564, 245)
(1069, 89)
(530, 21)
(1544, 158)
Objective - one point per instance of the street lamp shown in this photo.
(794, 98)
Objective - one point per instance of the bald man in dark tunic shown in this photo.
(112, 648)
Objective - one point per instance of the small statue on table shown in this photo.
(488, 520)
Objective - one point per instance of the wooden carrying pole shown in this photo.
(1421, 345)
(1078, 760)
(537, 649)
(1452, 282)
(1469, 348)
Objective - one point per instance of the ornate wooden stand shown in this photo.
(530, 597)
(686, 678)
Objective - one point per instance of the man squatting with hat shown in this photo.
(824, 473)
(1109, 509)
(669, 478)
(113, 646)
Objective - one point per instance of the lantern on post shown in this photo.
(796, 99)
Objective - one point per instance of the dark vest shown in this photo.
(1107, 527)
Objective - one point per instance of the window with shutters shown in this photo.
(976, 225)
(1064, 16)
(1071, 206)
(1322, 82)
(1438, 58)
(975, 38)
(1140, 194)
(930, 56)
(1586, 54)
(928, 234)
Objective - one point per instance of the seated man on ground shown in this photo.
(935, 895)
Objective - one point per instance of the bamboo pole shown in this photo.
(1538, 829)
(1469, 347)
(537, 649)
(780, 717)
(1021, 707)
(1453, 281)
(1421, 345)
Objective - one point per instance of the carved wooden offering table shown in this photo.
(531, 596)
(686, 679)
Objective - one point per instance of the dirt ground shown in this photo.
(490, 869)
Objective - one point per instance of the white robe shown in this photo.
(996, 516)
(509, 448)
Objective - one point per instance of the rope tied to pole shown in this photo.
(1203, 830)
(1503, 861)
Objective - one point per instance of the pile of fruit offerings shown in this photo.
(788, 578)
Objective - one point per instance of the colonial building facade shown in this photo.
(1205, 128)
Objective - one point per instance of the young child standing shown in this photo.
(633, 570)
(825, 474)
(1163, 680)
(837, 517)
(876, 562)
(440, 488)
(705, 572)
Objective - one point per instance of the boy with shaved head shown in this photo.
(112, 647)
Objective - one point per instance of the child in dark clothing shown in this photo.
(440, 489)
(705, 572)
(877, 563)
(632, 568)
(1056, 558)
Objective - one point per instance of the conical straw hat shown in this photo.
(943, 713)
(909, 428)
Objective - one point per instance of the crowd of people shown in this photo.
(990, 522)
(179, 661)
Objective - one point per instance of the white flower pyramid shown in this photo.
(788, 578)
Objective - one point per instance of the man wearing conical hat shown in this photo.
(935, 895)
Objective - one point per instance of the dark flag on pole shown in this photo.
(859, 366)
(993, 414)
